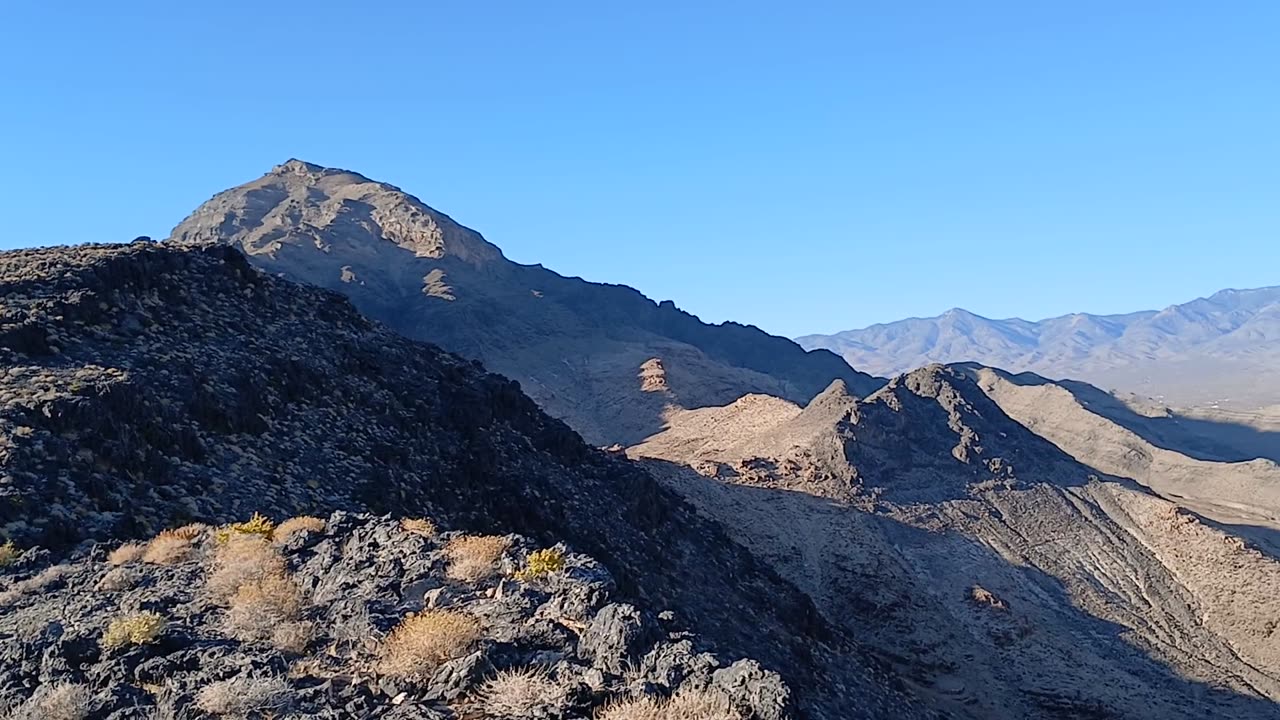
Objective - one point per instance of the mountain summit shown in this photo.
(604, 358)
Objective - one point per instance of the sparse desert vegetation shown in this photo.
(522, 693)
(135, 629)
(419, 526)
(246, 697)
(422, 642)
(127, 553)
(475, 557)
(298, 524)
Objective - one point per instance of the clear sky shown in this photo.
(806, 167)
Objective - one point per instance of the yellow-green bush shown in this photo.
(9, 554)
(540, 563)
(257, 525)
(137, 629)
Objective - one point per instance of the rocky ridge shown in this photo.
(146, 386)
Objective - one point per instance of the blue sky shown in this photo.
(807, 167)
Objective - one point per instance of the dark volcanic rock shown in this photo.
(51, 637)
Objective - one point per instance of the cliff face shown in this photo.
(580, 349)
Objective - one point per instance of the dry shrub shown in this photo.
(261, 605)
(687, 704)
(701, 705)
(419, 526)
(302, 523)
(126, 553)
(475, 557)
(520, 694)
(190, 531)
(241, 560)
(293, 637)
(119, 578)
(40, 581)
(167, 548)
(245, 697)
(423, 642)
(63, 701)
(644, 708)
(983, 597)
(137, 629)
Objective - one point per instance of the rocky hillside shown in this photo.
(1220, 350)
(1003, 576)
(1168, 457)
(351, 617)
(147, 386)
(604, 358)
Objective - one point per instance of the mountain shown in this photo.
(1002, 575)
(150, 385)
(1220, 350)
(604, 358)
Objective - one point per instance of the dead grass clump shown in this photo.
(118, 578)
(475, 557)
(40, 581)
(701, 705)
(126, 553)
(685, 705)
(520, 694)
(293, 637)
(261, 605)
(981, 596)
(419, 526)
(240, 560)
(245, 697)
(422, 642)
(302, 523)
(167, 548)
(137, 629)
(191, 531)
(63, 701)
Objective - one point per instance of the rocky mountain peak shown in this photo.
(300, 207)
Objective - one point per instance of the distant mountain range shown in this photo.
(604, 358)
(1220, 350)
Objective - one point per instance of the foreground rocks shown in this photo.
(554, 644)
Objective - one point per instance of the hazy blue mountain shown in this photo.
(1221, 349)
